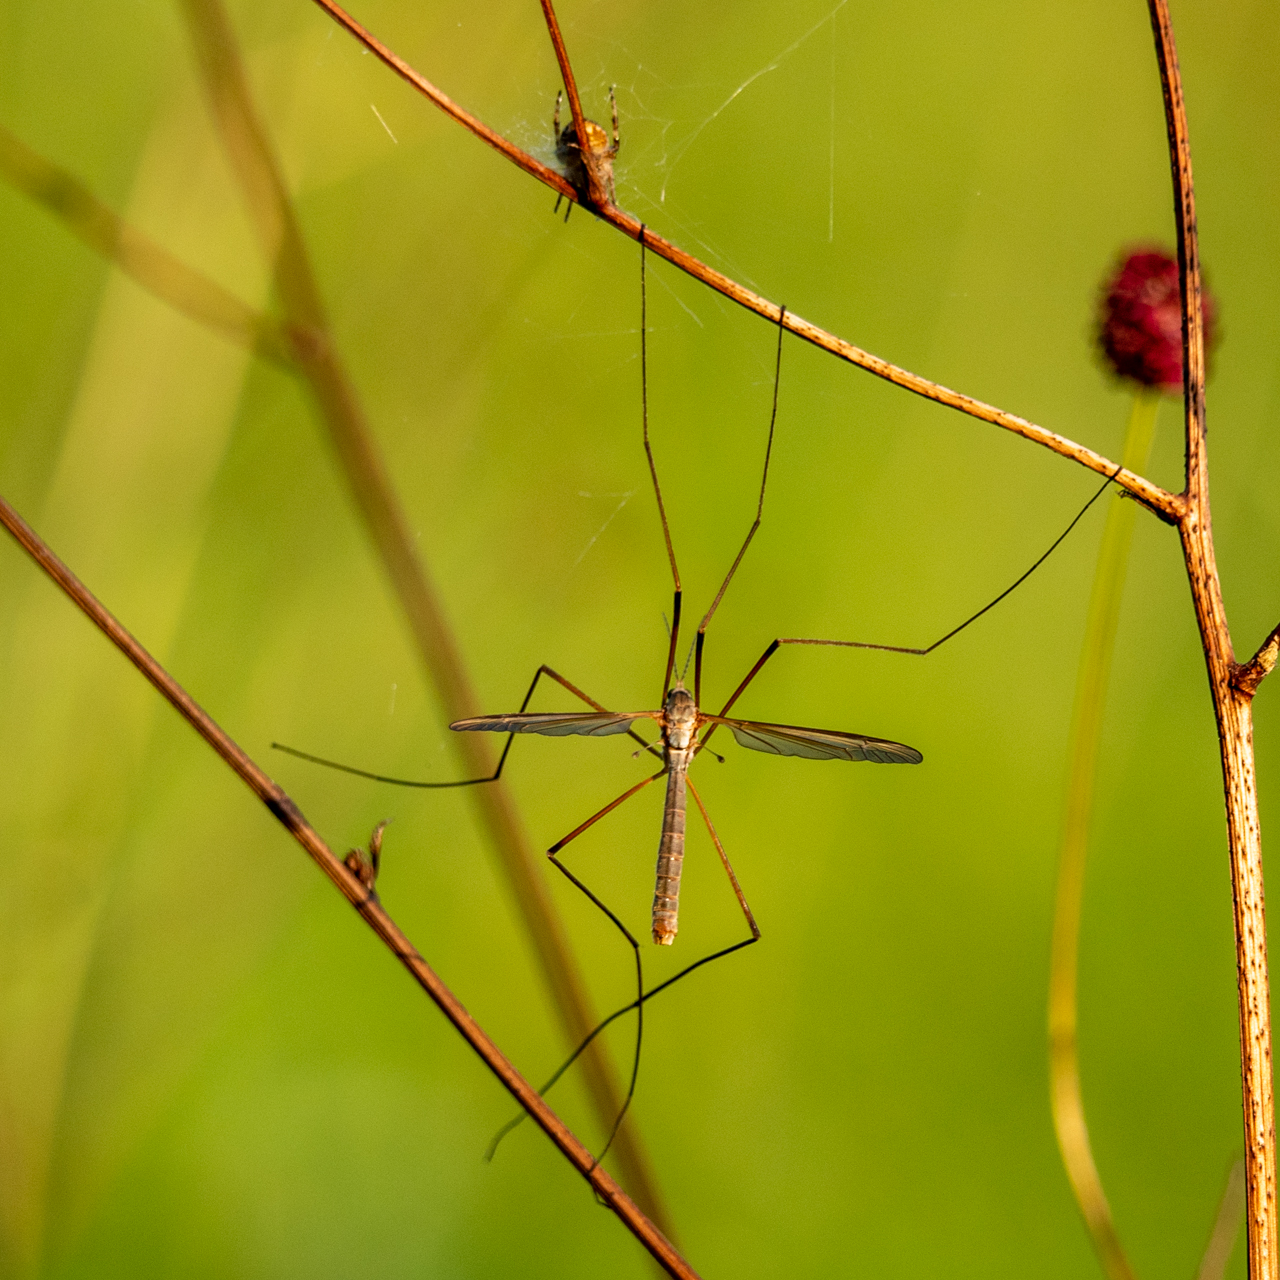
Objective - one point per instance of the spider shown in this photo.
(569, 151)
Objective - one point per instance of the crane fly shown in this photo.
(681, 718)
(685, 730)
(680, 722)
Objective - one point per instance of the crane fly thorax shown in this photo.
(679, 724)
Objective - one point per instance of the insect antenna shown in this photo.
(751, 533)
(684, 670)
(653, 469)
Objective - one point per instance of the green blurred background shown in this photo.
(209, 1066)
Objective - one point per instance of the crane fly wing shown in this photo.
(590, 724)
(816, 744)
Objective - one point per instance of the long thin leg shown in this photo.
(543, 670)
(635, 947)
(616, 142)
(751, 533)
(609, 808)
(555, 141)
(637, 1004)
(892, 648)
(728, 870)
(645, 996)
(626, 933)
(653, 470)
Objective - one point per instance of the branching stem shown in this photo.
(1169, 506)
(1233, 707)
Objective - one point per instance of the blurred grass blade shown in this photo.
(258, 171)
(1226, 1226)
(1091, 692)
(135, 253)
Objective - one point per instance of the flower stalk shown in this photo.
(1086, 732)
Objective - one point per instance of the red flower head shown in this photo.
(1141, 323)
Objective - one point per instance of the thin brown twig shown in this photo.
(353, 888)
(1169, 506)
(1232, 705)
(1249, 675)
(134, 252)
(597, 195)
(254, 162)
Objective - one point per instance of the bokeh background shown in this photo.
(209, 1066)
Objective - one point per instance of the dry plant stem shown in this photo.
(1086, 730)
(136, 254)
(316, 356)
(1232, 705)
(355, 892)
(1168, 505)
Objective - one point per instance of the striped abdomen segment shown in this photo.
(666, 894)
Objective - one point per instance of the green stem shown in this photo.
(1086, 729)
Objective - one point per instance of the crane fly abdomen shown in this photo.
(666, 893)
(679, 725)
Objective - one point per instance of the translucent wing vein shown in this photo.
(590, 724)
(816, 744)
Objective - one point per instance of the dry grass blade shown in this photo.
(255, 164)
(354, 889)
(1086, 732)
